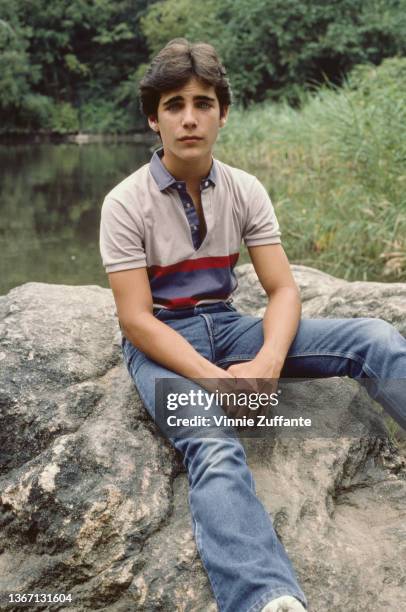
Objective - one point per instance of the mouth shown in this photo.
(190, 139)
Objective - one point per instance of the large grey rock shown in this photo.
(94, 500)
(326, 296)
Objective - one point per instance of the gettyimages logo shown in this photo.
(242, 409)
(258, 408)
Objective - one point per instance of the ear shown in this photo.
(153, 123)
(224, 116)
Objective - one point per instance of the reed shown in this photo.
(335, 170)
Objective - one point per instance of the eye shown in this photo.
(175, 106)
(203, 104)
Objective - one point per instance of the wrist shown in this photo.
(206, 369)
(267, 365)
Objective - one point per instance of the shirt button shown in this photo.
(206, 184)
(179, 186)
(194, 227)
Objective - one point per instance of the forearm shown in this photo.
(280, 323)
(168, 348)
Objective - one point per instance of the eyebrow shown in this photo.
(195, 98)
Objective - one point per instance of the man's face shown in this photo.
(188, 120)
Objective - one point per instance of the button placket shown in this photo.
(191, 212)
(191, 215)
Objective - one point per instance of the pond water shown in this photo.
(50, 199)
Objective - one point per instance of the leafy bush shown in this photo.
(104, 116)
(64, 119)
(37, 112)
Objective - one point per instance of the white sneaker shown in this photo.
(287, 603)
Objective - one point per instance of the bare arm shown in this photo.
(282, 314)
(157, 340)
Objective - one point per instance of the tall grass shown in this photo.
(335, 170)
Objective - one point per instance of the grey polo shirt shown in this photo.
(149, 220)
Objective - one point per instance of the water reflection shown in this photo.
(50, 198)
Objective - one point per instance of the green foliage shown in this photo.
(126, 97)
(14, 63)
(37, 112)
(64, 119)
(335, 171)
(74, 53)
(272, 46)
(104, 116)
(178, 18)
(85, 51)
(372, 134)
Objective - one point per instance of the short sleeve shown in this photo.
(261, 226)
(121, 237)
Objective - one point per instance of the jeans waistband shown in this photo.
(179, 313)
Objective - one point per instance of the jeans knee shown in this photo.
(379, 332)
(213, 455)
(384, 349)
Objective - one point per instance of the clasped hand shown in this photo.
(248, 378)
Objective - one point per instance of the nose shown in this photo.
(188, 117)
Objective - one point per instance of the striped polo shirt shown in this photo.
(149, 220)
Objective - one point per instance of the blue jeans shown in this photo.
(244, 559)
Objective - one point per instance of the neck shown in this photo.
(192, 172)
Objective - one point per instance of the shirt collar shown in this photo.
(164, 179)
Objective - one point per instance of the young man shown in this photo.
(170, 237)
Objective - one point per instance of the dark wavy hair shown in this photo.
(175, 65)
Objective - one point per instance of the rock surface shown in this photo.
(93, 501)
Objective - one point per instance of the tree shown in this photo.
(271, 47)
